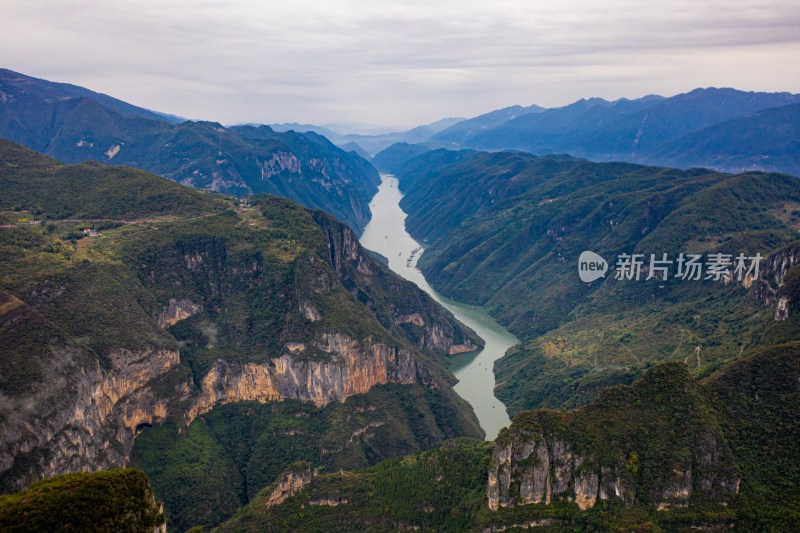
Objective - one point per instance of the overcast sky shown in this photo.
(399, 62)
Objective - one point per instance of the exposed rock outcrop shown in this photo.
(176, 311)
(770, 287)
(536, 460)
(290, 484)
(109, 407)
(410, 307)
(279, 162)
(88, 420)
(544, 469)
(352, 369)
(436, 336)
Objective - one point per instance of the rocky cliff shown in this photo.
(615, 448)
(668, 453)
(404, 310)
(350, 370)
(777, 285)
(290, 483)
(164, 319)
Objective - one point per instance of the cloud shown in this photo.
(396, 62)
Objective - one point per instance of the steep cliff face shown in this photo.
(533, 469)
(289, 484)
(175, 311)
(165, 319)
(777, 285)
(85, 419)
(613, 449)
(397, 303)
(350, 370)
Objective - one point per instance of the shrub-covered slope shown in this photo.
(110, 501)
(506, 231)
(668, 453)
(128, 301)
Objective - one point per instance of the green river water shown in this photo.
(386, 235)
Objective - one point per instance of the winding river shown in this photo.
(386, 234)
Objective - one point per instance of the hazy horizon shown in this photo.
(397, 65)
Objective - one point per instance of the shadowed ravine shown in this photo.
(386, 235)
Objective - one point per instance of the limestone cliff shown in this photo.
(207, 301)
(175, 311)
(613, 448)
(105, 409)
(399, 305)
(352, 369)
(86, 418)
(290, 483)
(777, 284)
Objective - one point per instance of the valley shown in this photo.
(255, 328)
(386, 235)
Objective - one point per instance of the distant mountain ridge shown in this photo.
(466, 129)
(640, 130)
(373, 143)
(16, 86)
(766, 140)
(72, 125)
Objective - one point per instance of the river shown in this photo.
(386, 234)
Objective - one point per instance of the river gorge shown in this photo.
(386, 235)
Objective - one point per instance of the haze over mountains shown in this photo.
(266, 372)
(721, 129)
(73, 124)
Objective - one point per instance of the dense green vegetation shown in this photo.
(440, 490)
(72, 124)
(45, 187)
(111, 501)
(255, 277)
(506, 230)
(743, 419)
(227, 456)
(756, 401)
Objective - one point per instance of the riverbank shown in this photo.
(386, 235)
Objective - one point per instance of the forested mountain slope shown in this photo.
(134, 306)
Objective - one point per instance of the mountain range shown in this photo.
(505, 230)
(137, 308)
(73, 124)
(721, 129)
(372, 143)
(260, 370)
